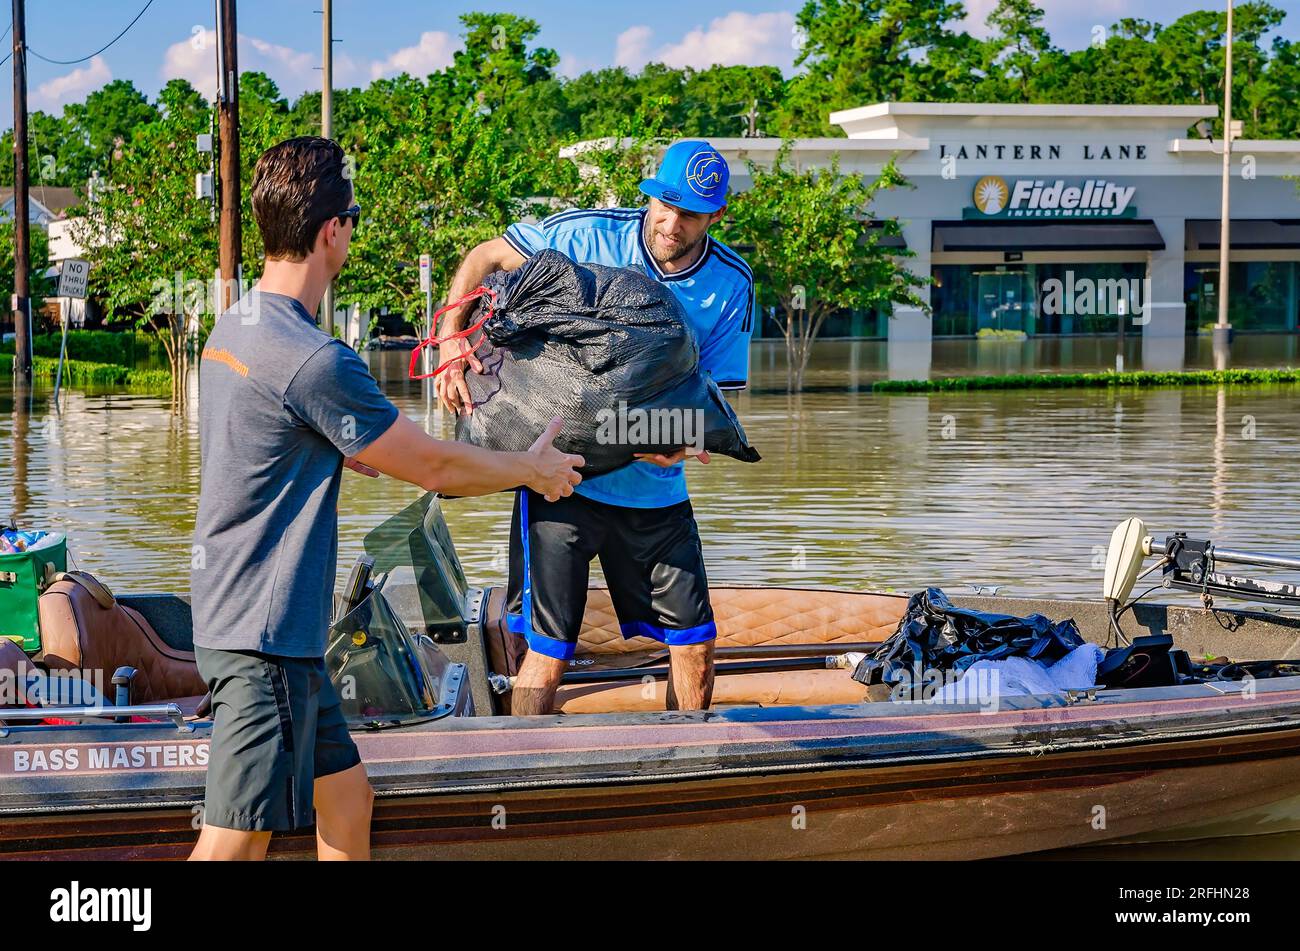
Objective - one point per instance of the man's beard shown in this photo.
(670, 257)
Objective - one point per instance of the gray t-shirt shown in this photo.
(280, 406)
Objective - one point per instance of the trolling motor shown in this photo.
(1188, 564)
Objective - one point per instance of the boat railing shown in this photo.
(167, 711)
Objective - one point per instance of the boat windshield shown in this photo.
(381, 655)
(426, 584)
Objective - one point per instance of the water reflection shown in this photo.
(1019, 488)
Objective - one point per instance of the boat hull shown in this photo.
(869, 781)
(948, 811)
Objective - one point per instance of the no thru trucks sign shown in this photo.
(72, 278)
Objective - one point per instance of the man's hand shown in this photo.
(453, 392)
(554, 471)
(668, 461)
(362, 468)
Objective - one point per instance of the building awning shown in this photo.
(1245, 234)
(1132, 235)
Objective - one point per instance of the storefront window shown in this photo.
(845, 324)
(1035, 299)
(1262, 295)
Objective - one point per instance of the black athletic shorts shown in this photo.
(278, 729)
(651, 558)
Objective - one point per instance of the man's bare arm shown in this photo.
(488, 258)
(408, 453)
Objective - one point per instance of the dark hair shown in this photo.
(298, 186)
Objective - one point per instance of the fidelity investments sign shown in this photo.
(1036, 198)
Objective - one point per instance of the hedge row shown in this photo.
(1109, 378)
(88, 373)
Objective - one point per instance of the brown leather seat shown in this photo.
(83, 631)
(13, 661)
(746, 617)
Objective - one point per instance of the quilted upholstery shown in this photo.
(77, 633)
(746, 617)
(787, 688)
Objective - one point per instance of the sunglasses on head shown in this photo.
(354, 213)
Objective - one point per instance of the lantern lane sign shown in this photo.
(73, 277)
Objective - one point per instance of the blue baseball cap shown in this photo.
(693, 176)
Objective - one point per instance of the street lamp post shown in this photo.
(1223, 330)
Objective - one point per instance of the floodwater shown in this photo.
(884, 492)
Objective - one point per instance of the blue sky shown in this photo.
(385, 37)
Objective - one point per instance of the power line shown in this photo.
(73, 62)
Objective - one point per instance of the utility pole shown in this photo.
(22, 303)
(229, 254)
(327, 129)
(1223, 330)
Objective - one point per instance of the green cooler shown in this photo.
(23, 576)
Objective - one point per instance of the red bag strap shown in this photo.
(473, 295)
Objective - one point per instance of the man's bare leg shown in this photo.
(690, 676)
(230, 845)
(539, 678)
(344, 802)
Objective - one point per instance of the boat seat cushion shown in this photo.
(80, 633)
(784, 688)
(746, 617)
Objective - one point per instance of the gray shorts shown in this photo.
(278, 729)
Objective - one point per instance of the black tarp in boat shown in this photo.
(936, 636)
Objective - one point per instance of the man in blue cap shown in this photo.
(637, 520)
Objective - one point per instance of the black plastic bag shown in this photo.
(936, 636)
(606, 348)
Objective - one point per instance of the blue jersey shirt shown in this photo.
(717, 293)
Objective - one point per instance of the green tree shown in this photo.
(731, 100)
(151, 244)
(815, 250)
(439, 186)
(857, 52)
(39, 285)
(103, 124)
(1015, 48)
(608, 172)
(496, 63)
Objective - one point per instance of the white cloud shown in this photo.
(632, 48)
(737, 39)
(432, 53)
(54, 93)
(1069, 22)
(195, 59)
(977, 11)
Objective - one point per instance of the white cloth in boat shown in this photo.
(1021, 677)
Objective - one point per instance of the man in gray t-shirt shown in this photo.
(283, 408)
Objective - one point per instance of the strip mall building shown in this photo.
(1018, 211)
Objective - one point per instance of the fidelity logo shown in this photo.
(97, 905)
(1031, 198)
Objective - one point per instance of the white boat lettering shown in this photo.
(141, 756)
